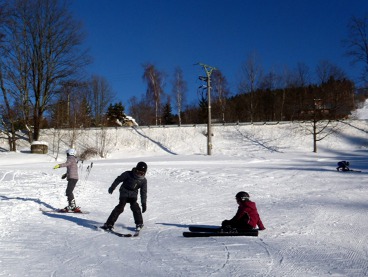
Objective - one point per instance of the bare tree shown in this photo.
(325, 70)
(357, 43)
(141, 111)
(179, 90)
(319, 124)
(302, 76)
(7, 111)
(269, 81)
(269, 84)
(42, 42)
(251, 72)
(71, 108)
(155, 82)
(7, 115)
(324, 105)
(302, 80)
(100, 96)
(220, 92)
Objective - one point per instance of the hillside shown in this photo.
(227, 140)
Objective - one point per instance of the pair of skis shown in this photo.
(216, 231)
(63, 211)
(122, 235)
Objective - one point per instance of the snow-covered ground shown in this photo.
(361, 113)
(316, 217)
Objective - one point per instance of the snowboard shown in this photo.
(212, 231)
(62, 211)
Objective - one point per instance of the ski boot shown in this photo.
(76, 210)
(72, 207)
(107, 227)
(139, 227)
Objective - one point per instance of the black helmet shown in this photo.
(141, 166)
(242, 196)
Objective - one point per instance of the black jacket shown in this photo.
(131, 183)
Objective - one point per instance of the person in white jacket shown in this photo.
(72, 178)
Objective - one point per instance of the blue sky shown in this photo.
(123, 35)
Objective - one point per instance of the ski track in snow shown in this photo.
(316, 218)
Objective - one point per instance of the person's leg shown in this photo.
(69, 192)
(116, 212)
(137, 213)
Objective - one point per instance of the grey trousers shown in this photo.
(69, 189)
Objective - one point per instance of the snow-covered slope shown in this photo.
(316, 217)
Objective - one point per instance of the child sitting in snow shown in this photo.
(246, 217)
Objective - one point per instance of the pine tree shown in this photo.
(115, 113)
(168, 117)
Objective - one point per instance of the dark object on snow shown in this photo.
(204, 228)
(199, 231)
(211, 234)
(343, 166)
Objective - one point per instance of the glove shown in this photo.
(63, 176)
(225, 223)
(56, 166)
(110, 190)
(144, 207)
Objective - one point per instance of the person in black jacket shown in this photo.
(343, 166)
(132, 181)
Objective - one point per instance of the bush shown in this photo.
(88, 154)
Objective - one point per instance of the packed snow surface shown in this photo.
(316, 217)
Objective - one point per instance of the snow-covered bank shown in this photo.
(229, 139)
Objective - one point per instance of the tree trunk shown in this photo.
(314, 136)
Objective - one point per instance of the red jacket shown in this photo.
(247, 215)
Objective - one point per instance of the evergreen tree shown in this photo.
(168, 117)
(115, 113)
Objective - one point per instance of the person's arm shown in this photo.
(116, 182)
(143, 193)
(260, 225)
